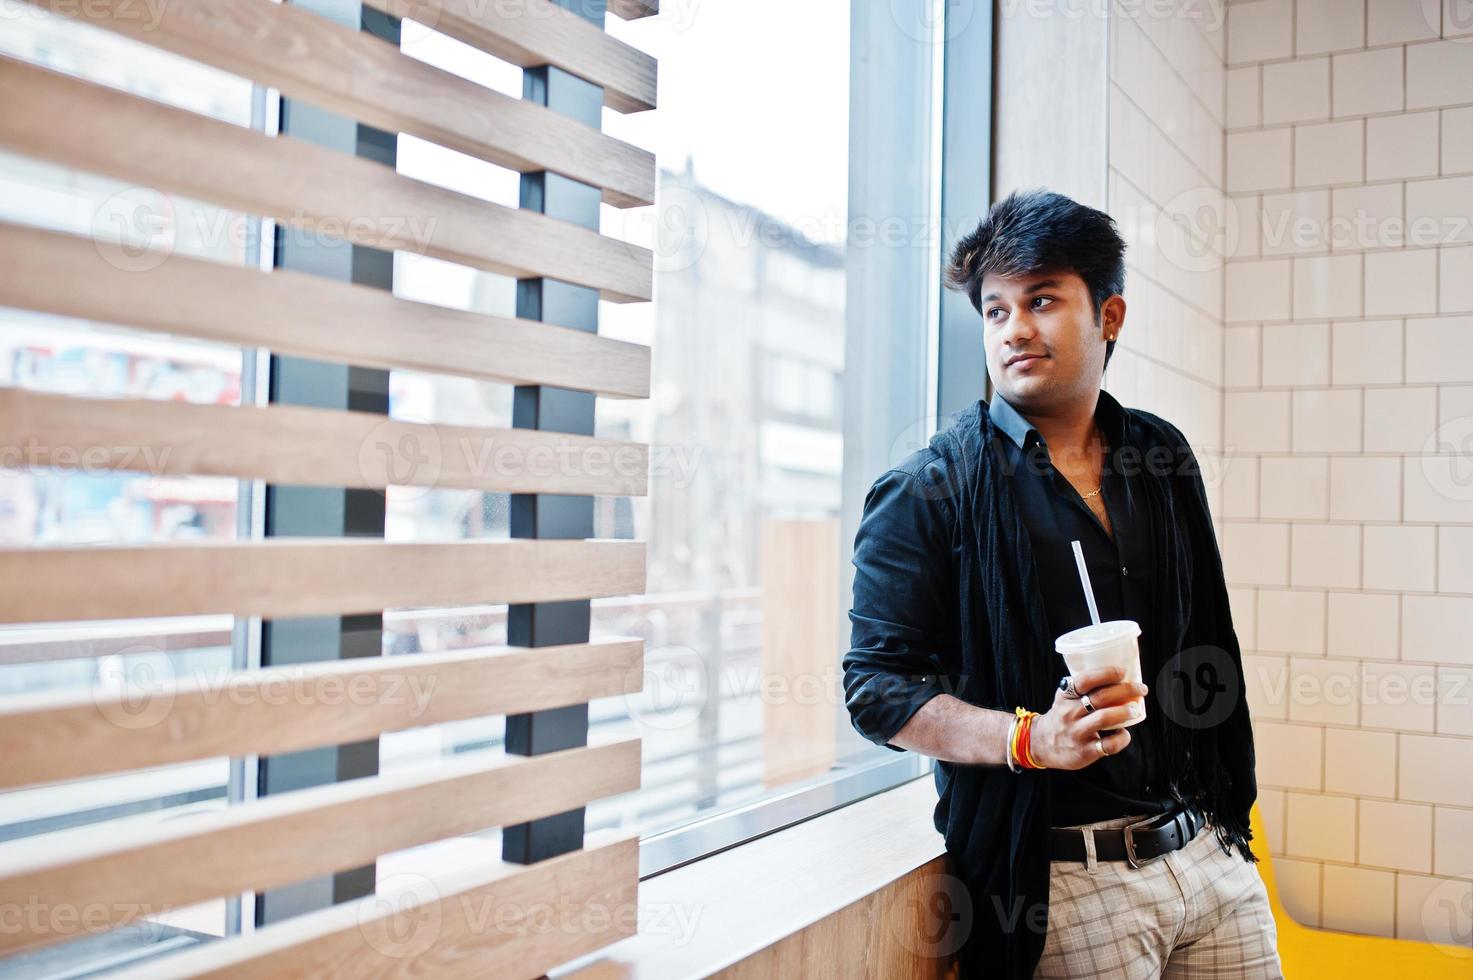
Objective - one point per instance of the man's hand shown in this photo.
(1064, 737)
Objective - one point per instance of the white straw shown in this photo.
(1089, 592)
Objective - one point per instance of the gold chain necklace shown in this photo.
(1092, 492)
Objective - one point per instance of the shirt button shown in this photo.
(1124, 570)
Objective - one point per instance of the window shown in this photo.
(54, 507)
(794, 339)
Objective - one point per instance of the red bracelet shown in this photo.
(1024, 754)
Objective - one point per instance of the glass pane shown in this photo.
(753, 339)
(50, 507)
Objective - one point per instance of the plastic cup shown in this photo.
(1109, 644)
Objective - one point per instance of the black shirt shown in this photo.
(947, 600)
(1120, 572)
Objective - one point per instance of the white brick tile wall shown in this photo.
(1327, 286)
(1360, 763)
(1399, 146)
(1393, 21)
(1266, 679)
(1357, 899)
(1299, 882)
(1324, 556)
(1436, 629)
(1259, 289)
(1399, 420)
(1457, 140)
(1400, 697)
(1324, 691)
(1455, 280)
(1240, 363)
(1296, 91)
(1400, 558)
(1255, 554)
(1294, 488)
(1327, 420)
(1259, 30)
(1321, 827)
(1365, 488)
(1259, 160)
(1455, 559)
(1434, 909)
(1367, 216)
(1346, 515)
(1437, 73)
(1396, 835)
(1455, 701)
(1366, 352)
(1364, 625)
(1440, 350)
(1329, 153)
(1436, 769)
(1256, 421)
(1430, 204)
(1242, 96)
(1297, 221)
(1453, 830)
(1296, 354)
(1240, 488)
(1401, 282)
(1241, 215)
(1437, 489)
(1291, 621)
(1457, 21)
(1367, 82)
(1454, 402)
(1328, 25)
(1288, 756)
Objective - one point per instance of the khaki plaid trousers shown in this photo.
(1196, 914)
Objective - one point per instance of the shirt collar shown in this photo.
(1109, 413)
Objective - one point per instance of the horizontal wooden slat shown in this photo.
(65, 735)
(145, 867)
(306, 576)
(320, 191)
(306, 315)
(308, 447)
(466, 927)
(634, 9)
(539, 32)
(352, 72)
(88, 641)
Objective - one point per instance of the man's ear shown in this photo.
(1112, 317)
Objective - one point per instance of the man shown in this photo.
(1112, 846)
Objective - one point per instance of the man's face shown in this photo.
(1045, 324)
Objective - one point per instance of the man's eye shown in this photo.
(995, 309)
(1043, 299)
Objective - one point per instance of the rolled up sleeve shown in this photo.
(904, 585)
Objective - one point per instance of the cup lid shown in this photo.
(1097, 636)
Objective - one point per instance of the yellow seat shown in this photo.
(1306, 952)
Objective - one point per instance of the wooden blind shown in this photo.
(117, 872)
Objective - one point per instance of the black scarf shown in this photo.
(996, 821)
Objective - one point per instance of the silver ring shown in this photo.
(1101, 743)
(1089, 708)
(1067, 686)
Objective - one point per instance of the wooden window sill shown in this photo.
(720, 910)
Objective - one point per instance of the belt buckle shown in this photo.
(1130, 856)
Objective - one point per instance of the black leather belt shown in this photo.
(1138, 843)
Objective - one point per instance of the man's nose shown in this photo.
(1019, 329)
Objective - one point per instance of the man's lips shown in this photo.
(1024, 358)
